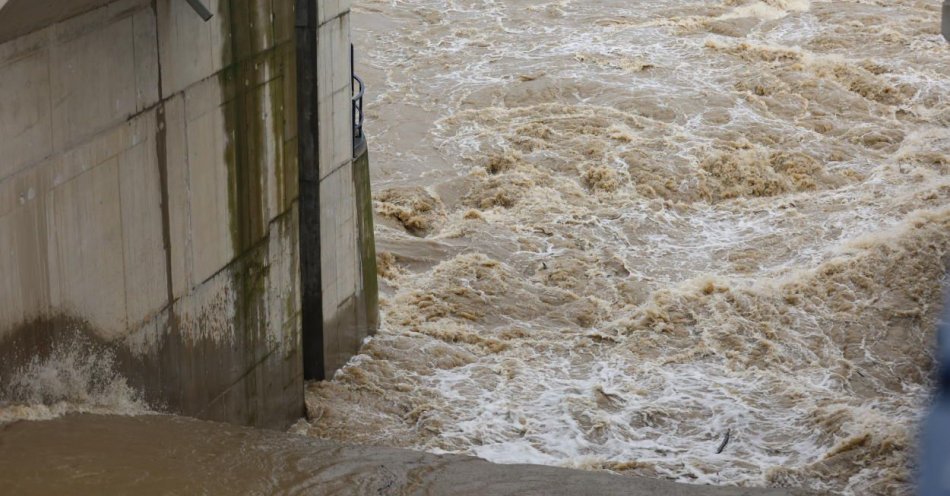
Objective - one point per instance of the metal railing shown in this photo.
(358, 89)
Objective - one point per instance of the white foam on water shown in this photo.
(671, 220)
(769, 10)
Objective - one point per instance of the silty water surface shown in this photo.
(611, 233)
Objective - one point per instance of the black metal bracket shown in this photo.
(358, 89)
(200, 9)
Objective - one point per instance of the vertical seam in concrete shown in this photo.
(122, 238)
(161, 150)
(188, 251)
(48, 200)
(49, 92)
(162, 159)
(135, 67)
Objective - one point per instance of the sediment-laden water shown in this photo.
(614, 233)
(696, 241)
(167, 455)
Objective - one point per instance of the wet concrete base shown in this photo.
(88, 454)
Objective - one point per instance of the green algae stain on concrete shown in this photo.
(367, 242)
(259, 84)
(252, 84)
(231, 157)
(252, 87)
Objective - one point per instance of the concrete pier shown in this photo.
(151, 189)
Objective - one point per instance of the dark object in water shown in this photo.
(935, 438)
(725, 441)
(946, 20)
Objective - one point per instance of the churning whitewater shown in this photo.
(614, 233)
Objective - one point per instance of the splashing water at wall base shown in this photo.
(76, 376)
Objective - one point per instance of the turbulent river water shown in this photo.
(614, 233)
(690, 240)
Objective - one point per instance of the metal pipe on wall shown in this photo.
(308, 181)
(200, 9)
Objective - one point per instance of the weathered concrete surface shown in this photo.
(368, 300)
(144, 455)
(149, 187)
(148, 198)
(18, 17)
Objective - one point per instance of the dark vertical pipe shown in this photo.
(309, 183)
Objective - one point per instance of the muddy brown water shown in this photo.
(166, 455)
(611, 232)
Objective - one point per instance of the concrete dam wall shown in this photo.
(181, 196)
